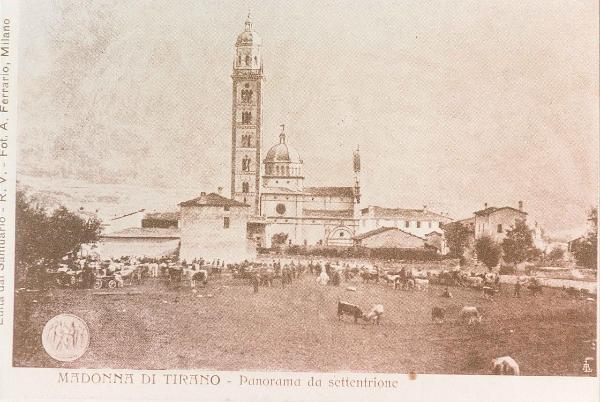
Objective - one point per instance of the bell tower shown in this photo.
(246, 119)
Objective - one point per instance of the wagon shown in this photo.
(107, 281)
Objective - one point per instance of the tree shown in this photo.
(585, 249)
(457, 237)
(518, 244)
(488, 252)
(42, 238)
(279, 239)
(556, 254)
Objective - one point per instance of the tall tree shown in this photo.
(518, 244)
(457, 237)
(488, 251)
(585, 249)
(45, 238)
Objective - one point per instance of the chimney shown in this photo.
(520, 205)
(202, 193)
(219, 190)
(485, 206)
(424, 208)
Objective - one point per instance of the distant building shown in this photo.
(389, 237)
(436, 240)
(165, 220)
(494, 222)
(214, 227)
(138, 242)
(418, 222)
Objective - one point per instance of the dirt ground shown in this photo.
(297, 329)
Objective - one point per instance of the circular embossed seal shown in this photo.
(66, 337)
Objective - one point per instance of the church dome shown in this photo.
(282, 152)
(248, 37)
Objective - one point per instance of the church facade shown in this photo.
(283, 209)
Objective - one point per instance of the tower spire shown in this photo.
(282, 134)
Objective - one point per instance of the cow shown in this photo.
(349, 309)
(505, 365)
(475, 282)
(421, 284)
(199, 277)
(438, 314)
(489, 292)
(470, 314)
(571, 291)
(266, 277)
(369, 276)
(375, 313)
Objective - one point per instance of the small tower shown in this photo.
(246, 121)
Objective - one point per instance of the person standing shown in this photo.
(517, 292)
(255, 281)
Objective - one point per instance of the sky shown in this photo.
(453, 104)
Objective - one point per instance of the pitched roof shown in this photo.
(144, 233)
(433, 232)
(212, 200)
(128, 214)
(163, 216)
(491, 210)
(381, 230)
(343, 213)
(404, 213)
(330, 191)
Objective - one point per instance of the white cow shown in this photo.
(505, 365)
(375, 313)
(471, 314)
(323, 278)
(421, 284)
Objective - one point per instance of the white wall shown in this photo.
(203, 234)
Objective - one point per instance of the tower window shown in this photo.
(246, 95)
(246, 141)
(248, 59)
(245, 187)
(499, 228)
(246, 164)
(246, 117)
(239, 59)
(226, 222)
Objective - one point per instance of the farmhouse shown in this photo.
(214, 227)
(138, 242)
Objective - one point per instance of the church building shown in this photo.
(282, 208)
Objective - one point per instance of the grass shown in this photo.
(297, 329)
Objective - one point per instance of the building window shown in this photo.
(341, 234)
(280, 209)
(407, 224)
(418, 224)
(246, 117)
(245, 187)
(226, 222)
(248, 59)
(499, 228)
(226, 208)
(246, 164)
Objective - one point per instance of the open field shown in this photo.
(296, 328)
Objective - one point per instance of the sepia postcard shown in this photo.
(299, 201)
